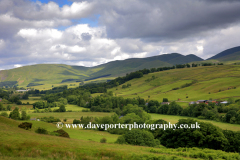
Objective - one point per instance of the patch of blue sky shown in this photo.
(91, 21)
(61, 3)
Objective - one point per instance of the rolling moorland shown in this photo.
(59, 73)
(219, 82)
(39, 76)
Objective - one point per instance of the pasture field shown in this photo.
(48, 86)
(71, 107)
(19, 106)
(20, 144)
(174, 119)
(216, 82)
(31, 101)
(70, 116)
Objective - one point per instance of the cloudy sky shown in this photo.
(92, 32)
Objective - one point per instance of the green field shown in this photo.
(216, 82)
(91, 135)
(70, 116)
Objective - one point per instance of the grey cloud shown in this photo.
(86, 36)
(165, 20)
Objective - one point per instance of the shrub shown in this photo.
(103, 140)
(65, 119)
(121, 140)
(62, 133)
(19, 102)
(9, 107)
(140, 137)
(41, 130)
(25, 125)
(75, 121)
(4, 114)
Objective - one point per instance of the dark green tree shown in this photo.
(140, 137)
(62, 108)
(165, 100)
(15, 114)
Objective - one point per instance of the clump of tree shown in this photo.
(207, 136)
(126, 86)
(41, 130)
(138, 137)
(15, 114)
(49, 119)
(4, 114)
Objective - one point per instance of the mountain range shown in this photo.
(59, 73)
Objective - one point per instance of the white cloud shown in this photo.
(17, 65)
(40, 33)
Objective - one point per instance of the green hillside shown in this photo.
(231, 57)
(226, 53)
(42, 74)
(20, 144)
(216, 82)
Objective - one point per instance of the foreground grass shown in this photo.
(174, 119)
(91, 135)
(18, 143)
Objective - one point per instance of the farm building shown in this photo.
(21, 90)
(193, 102)
(224, 102)
(202, 101)
(165, 103)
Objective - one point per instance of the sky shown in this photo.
(93, 32)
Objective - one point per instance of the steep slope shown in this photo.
(226, 53)
(231, 57)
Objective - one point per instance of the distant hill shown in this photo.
(228, 54)
(60, 73)
(133, 64)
